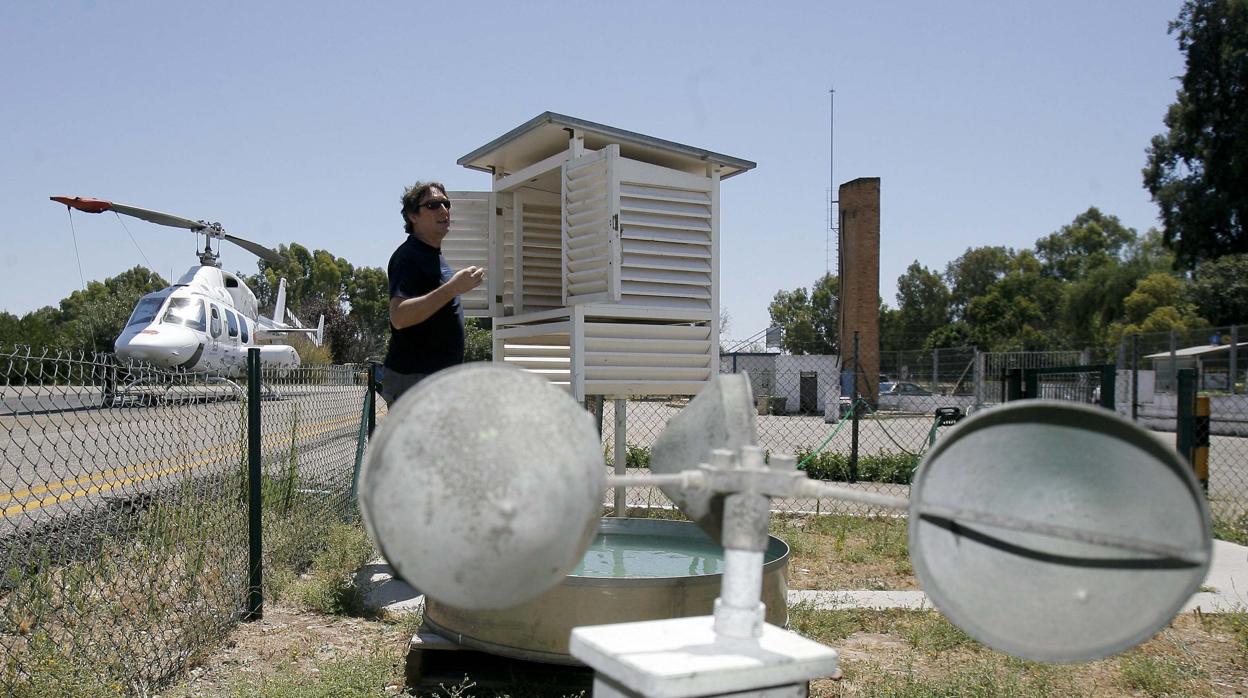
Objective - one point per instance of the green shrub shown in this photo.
(894, 468)
(635, 457)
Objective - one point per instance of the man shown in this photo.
(426, 320)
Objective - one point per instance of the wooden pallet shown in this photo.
(435, 665)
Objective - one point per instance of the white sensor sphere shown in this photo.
(483, 486)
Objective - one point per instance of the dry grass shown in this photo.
(846, 552)
(918, 654)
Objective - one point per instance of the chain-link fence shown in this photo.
(880, 452)
(1148, 392)
(124, 498)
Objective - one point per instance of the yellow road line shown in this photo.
(103, 476)
(67, 496)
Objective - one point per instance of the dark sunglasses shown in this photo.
(435, 205)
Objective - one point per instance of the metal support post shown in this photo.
(853, 444)
(1185, 427)
(372, 398)
(1135, 377)
(1233, 369)
(1174, 360)
(936, 372)
(1200, 442)
(621, 454)
(255, 595)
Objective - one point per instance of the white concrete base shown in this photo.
(684, 658)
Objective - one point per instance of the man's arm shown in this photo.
(405, 312)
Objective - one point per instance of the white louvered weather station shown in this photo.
(602, 255)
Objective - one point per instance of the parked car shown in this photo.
(902, 388)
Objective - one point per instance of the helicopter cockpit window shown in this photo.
(185, 311)
(146, 311)
(232, 321)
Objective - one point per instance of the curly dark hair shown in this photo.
(411, 200)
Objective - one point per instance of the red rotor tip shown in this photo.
(83, 204)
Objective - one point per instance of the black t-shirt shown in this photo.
(416, 269)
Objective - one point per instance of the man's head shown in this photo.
(427, 212)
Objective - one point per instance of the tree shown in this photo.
(1156, 305)
(1219, 290)
(922, 304)
(1091, 241)
(38, 328)
(974, 273)
(810, 322)
(368, 295)
(825, 304)
(340, 335)
(478, 340)
(1019, 312)
(91, 319)
(1197, 169)
(1091, 303)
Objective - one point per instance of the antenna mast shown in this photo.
(833, 231)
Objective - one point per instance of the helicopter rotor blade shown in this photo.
(100, 206)
(258, 250)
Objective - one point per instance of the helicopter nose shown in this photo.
(165, 346)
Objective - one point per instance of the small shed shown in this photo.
(1215, 365)
(602, 254)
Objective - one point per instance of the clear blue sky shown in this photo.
(988, 123)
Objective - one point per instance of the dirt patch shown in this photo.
(289, 641)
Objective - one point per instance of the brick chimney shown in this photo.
(858, 265)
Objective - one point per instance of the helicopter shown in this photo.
(208, 319)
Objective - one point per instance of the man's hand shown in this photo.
(466, 279)
(405, 312)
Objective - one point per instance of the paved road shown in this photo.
(64, 461)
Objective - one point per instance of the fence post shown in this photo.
(1174, 361)
(367, 422)
(853, 444)
(372, 398)
(1185, 426)
(255, 595)
(1135, 377)
(1234, 367)
(1200, 442)
(978, 378)
(621, 454)
(935, 371)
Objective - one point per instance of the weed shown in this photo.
(1154, 675)
(329, 587)
(634, 456)
(1232, 530)
(363, 676)
(933, 633)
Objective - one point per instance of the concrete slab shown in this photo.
(1226, 583)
